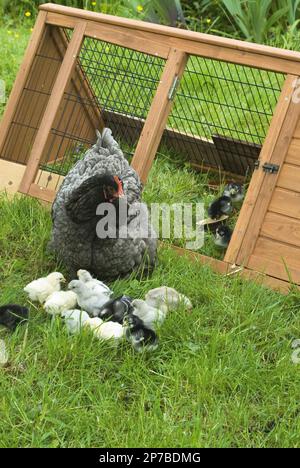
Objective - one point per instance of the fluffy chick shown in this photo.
(219, 207)
(59, 301)
(13, 314)
(167, 299)
(105, 330)
(149, 315)
(223, 236)
(116, 309)
(234, 191)
(141, 337)
(93, 283)
(75, 320)
(40, 289)
(88, 299)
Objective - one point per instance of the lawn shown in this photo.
(222, 375)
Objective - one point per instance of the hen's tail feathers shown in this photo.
(105, 140)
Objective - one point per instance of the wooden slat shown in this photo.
(59, 88)
(293, 155)
(136, 40)
(22, 76)
(158, 115)
(42, 193)
(277, 259)
(289, 177)
(297, 130)
(11, 175)
(281, 228)
(256, 55)
(262, 185)
(286, 202)
(223, 267)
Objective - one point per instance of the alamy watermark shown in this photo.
(2, 92)
(137, 220)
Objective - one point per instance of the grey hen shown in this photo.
(89, 183)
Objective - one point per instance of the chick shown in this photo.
(167, 299)
(88, 299)
(219, 207)
(105, 330)
(141, 337)
(234, 191)
(93, 323)
(59, 301)
(93, 283)
(12, 314)
(116, 309)
(40, 289)
(148, 314)
(223, 236)
(75, 320)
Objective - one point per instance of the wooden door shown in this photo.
(267, 234)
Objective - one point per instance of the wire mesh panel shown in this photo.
(33, 101)
(222, 113)
(111, 86)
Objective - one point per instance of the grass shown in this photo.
(222, 376)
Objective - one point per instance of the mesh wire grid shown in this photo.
(121, 84)
(220, 116)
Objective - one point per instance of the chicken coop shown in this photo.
(226, 105)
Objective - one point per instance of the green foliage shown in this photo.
(254, 18)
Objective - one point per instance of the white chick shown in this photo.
(93, 323)
(59, 301)
(40, 289)
(167, 299)
(88, 299)
(105, 330)
(75, 320)
(151, 316)
(93, 283)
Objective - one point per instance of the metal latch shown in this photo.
(256, 164)
(271, 168)
(173, 88)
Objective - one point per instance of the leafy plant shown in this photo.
(168, 12)
(254, 18)
(293, 9)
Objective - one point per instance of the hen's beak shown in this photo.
(120, 192)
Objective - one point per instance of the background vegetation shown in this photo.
(265, 21)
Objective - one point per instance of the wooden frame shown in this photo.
(281, 147)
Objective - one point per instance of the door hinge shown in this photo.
(271, 168)
(256, 164)
(174, 88)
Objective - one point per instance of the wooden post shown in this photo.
(61, 83)
(22, 76)
(158, 114)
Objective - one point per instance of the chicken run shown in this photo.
(223, 107)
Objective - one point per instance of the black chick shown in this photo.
(234, 191)
(138, 335)
(219, 207)
(223, 236)
(12, 314)
(116, 309)
(82, 205)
